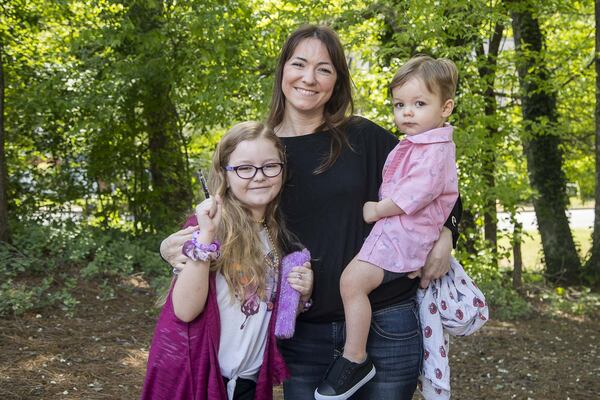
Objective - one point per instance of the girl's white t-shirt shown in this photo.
(243, 334)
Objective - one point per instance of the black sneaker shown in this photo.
(344, 378)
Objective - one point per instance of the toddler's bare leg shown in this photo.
(358, 280)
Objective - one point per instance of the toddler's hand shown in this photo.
(370, 212)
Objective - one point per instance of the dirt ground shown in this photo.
(101, 353)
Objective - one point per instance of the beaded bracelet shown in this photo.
(306, 305)
(197, 251)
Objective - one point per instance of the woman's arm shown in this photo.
(454, 219)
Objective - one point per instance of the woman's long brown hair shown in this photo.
(339, 107)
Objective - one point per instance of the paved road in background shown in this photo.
(578, 218)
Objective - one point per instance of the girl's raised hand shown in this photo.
(208, 214)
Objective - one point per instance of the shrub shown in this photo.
(45, 263)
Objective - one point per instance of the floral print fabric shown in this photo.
(451, 305)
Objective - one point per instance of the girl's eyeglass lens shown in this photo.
(270, 170)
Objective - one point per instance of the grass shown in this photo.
(531, 248)
(577, 202)
(574, 202)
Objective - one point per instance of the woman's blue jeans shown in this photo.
(395, 346)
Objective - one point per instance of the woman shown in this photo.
(334, 164)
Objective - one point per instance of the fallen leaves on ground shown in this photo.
(100, 353)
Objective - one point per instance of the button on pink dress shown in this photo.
(420, 176)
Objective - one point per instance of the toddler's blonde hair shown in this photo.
(439, 75)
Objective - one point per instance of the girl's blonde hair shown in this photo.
(439, 75)
(242, 260)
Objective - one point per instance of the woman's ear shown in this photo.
(447, 108)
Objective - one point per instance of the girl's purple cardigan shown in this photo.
(183, 362)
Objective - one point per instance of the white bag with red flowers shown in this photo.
(451, 305)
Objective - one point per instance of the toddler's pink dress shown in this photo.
(420, 176)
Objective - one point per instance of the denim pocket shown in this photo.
(397, 322)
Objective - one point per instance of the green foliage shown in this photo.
(112, 105)
(506, 303)
(503, 300)
(123, 257)
(15, 299)
(85, 84)
(574, 301)
(46, 262)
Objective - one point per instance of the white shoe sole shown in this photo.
(351, 391)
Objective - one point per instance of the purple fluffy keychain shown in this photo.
(289, 297)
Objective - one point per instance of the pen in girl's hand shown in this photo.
(203, 183)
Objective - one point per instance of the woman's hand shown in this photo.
(438, 260)
(171, 247)
(208, 214)
(301, 279)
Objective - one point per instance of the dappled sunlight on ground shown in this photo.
(135, 359)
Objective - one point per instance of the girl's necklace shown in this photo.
(272, 260)
(271, 243)
(251, 303)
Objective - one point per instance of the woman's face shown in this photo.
(308, 78)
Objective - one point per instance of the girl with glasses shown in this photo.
(214, 339)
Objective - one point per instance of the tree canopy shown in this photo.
(109, 105)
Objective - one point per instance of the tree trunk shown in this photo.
(4, 230)
(470, 231)
(593, 264)
(488, 73)
(171, 196)
(470, 39)
(542, 148)
(517, 258)
(170, 180)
